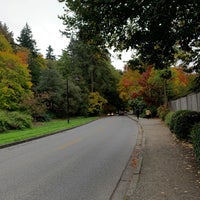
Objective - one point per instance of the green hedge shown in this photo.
(195, 133)
(174, 118)
(14, 120)
(184, 123)
(168, 118)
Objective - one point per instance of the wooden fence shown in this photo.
(189, 102)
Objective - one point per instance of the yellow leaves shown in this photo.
(4, 45)
(9, 60)
(15, 80)
(123, 95)
(29, 84)
(96, 102)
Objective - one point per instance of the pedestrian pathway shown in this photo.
(169, 170)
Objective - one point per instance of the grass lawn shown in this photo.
(40, 129)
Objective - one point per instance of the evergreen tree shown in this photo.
(35, 60)
(93, 65)
(4, 30)
(49, 54)
(52, 86)
(26, 40)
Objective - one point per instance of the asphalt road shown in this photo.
(84, 163)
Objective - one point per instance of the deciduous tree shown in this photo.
(15, 81)
(96, 102)
(152, 27)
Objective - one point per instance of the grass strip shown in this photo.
(40, 129)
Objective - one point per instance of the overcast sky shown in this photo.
(42, 17)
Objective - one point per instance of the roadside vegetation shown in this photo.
(42, 129)
(185, 124)
(81, 82)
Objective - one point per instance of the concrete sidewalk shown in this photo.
(168, 170)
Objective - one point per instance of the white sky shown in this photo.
(42, 17)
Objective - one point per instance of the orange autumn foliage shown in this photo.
(129, 86)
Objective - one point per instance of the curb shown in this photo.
(137, 160)
(130, 176)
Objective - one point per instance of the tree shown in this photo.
(96, 102)
(52, 84)
(151, 87)
(77, 90)
(154, 86)
(93, 65)
(49, 54)
(15, 81)
(36, 64)
(152, 27)
(4, 30)
(4, 45)
(179, 83)
(35, 106)
(128, 86)
(26, 39)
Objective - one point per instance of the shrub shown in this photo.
(19, 120)
(184, 123)
(174, 118)
(14, 120)
(195, 133)
(4, 121)
(162, 112)
(168, 118)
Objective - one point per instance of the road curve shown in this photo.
(84, 163)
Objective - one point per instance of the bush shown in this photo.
(195, 133)
(19, 120)
(162, 112)
(174, 118)
(168, 119)
(14, 120)
(184, 123)
(4, 121)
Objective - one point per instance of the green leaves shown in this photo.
(152, 27)
(26, 39)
